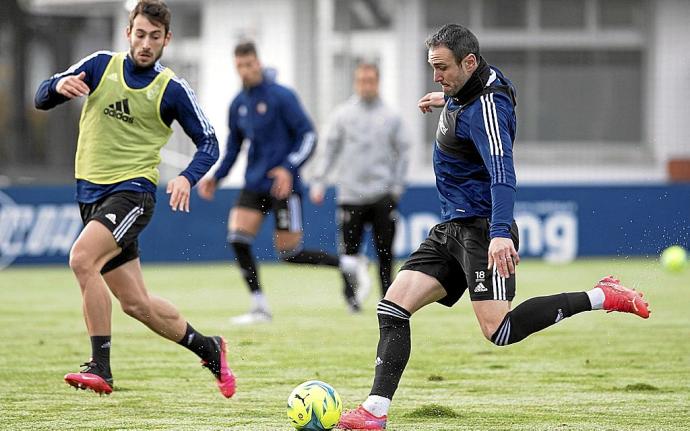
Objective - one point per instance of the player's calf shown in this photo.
(139, 309)
(538, 313)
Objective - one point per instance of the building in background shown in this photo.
(602, 84)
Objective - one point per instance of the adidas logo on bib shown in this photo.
(120, 111)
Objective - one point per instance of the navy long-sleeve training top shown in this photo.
(479, 179)
(178, 103)
(279, 133)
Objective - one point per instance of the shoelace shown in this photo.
(88, 366)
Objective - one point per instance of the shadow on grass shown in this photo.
(640, 387)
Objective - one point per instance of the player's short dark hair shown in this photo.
(245, 48)
(457, 38)
(155, 10)
(368, 65)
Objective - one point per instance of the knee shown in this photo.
(501, 333)
(288, 246)
(490, 326)
(138, 309)
(80, 261)
(488, 331)
(239, 239)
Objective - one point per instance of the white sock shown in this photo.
(260, 302)
(596, 298)
(348, 263)
(376, 405)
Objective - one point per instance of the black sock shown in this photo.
(100, 351)
(385, 270)
(538, 313)
(349, 290)
(313, 257)
(202, 346)
(393, 350)
(247, 264)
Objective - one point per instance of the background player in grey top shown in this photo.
(367, 146)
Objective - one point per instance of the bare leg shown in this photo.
(127, 284)
(93, 249)
(490, 314)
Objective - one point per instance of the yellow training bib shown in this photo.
(121, 132)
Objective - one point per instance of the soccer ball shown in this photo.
(674, 258)
(314, 406)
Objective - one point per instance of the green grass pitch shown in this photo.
(594, 371)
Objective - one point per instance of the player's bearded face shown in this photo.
(448, 72)
(146, 41)
(249, 68)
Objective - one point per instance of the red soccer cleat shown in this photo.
(85, 379)
(224, 376)
(620, 298)
(361, 419)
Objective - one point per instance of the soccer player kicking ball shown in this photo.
(475, 247)
(131, 103)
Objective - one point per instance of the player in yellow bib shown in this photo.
(131, 102)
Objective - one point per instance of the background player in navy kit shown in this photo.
(367, 144)
(121, 131)
(281, 138)
(475, 247)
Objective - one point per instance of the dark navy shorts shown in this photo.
(125, 214)
(287, 212)
(456, 254)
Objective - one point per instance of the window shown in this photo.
(362, 15)
(504, 14)
(441, 12)
(578, 66)
(617, 14)
(562, 14)
(186, 22)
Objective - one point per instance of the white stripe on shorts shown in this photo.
(127, 222)
(499, 286)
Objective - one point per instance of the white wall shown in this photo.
(270, 24)
(670, 80)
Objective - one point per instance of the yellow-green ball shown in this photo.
(674, 258)
(314, 406)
